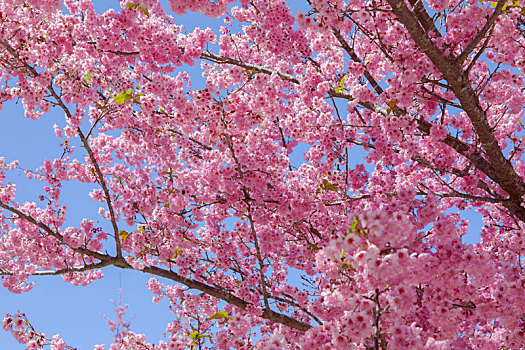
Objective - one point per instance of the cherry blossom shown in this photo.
(308, 191)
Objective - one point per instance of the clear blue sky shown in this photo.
(54, 306)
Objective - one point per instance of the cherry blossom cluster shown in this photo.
(22, 330)
(308, 191)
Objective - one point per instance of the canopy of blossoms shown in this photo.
(310, 196)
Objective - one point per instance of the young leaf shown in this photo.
(88, 78)
(495, 3)
(177, 253)
(123, 97)
(353, 228)
(341, 86)
(219, 315)
(123, 235)
(328, 186)
(392, 104)
(196, 335)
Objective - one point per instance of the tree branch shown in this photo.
(98, 172)
(49, 231)
(84, 268)
(260, 69)
(85, 143)
(350, 51)
(504, 173)
(220, 294)
(459, 146)
(424, 18)
(481, 34)
(120, 262)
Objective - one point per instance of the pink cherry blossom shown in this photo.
(308, 190)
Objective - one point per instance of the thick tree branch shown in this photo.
(459, 146)
(218, 293)
(424, 18)
(107, 260)
(504, 173)
(350, 51)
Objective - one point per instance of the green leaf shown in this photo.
(354, 224)
(328, 186)
(177, 253)
(88, 78)
(341, 85)
(313, 246)
(119, 179)
(347, 265)
(144, 10)
(123, 235)
(123, 97)
(219, 315)
(132, 6)
(495, 3)
(249, 72)
(196, 335)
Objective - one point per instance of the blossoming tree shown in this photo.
(198, 190)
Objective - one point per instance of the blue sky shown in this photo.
(57, 307)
